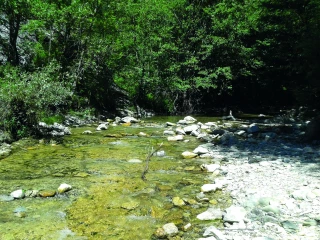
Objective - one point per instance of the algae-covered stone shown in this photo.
(178, 201)
(47, 193)
(130, 205)
(188, 155)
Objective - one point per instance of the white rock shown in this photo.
(168, 133)
(188, 154)
(208, 238)
(208, 187)
(175, 138)
(210, 167)
(210, 214)
(142, 134)
(134, 161)
(234, 214)
(17, 194)
(87, 132)
(182, 122)
(180, 131)
(189, 129)
(170, 229)
(187, 226)
(195, 133)
(129, 120)
(190, 119)
(64, 188)
(201, 150)
(102, 126)
(215, 232)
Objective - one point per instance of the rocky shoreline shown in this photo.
(274, 182)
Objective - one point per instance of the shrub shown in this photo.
(26, 96)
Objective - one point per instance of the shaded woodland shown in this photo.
(169, 56)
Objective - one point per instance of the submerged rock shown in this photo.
(210, 214)
(188, 154)
(177, 201)
(5, 198)
(47, 193)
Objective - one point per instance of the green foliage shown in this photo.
(25, 96)
(167, 55)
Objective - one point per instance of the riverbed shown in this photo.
(108, 200)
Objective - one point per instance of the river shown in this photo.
(108, 200)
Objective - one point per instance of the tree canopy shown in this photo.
(171, 56)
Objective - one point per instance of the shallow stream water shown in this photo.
(109, 200)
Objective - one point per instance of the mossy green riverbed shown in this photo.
(109, 200)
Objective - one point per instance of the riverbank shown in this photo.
(275, 189)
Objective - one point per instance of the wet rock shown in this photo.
(210, 214)
(142, 134)
(188, 155)
(130, 205)
(47, 193)
(177, 201)
(228, 139)
(253, 128)
(18, 194)
(6, 198)
(64, 188)
(187, 227)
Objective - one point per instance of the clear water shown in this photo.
(109, 200)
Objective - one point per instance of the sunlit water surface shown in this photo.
(109, 200)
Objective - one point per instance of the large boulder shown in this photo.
(55, 130)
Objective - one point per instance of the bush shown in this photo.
(25, 97)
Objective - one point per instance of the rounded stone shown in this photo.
(47, 193)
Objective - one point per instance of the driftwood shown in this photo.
(146, 168)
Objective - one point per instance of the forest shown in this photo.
(171, 56)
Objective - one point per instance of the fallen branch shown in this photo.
(146, 168)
